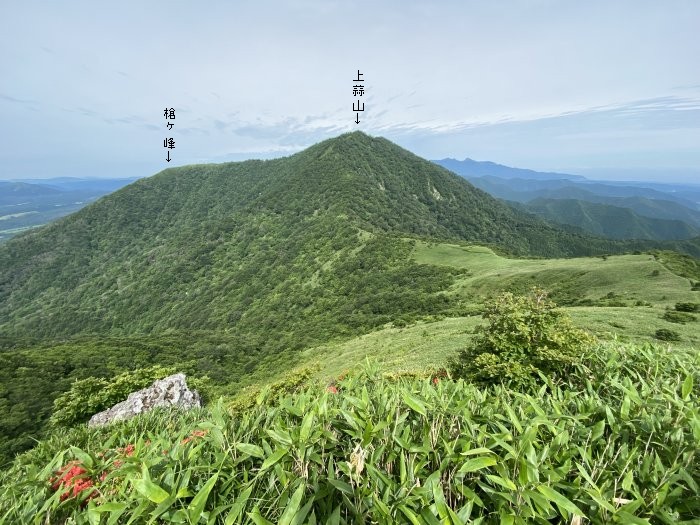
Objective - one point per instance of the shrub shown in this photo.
(289, 383)
(524, 335)
(678, 317)
(664, 334)
(688, 307)
(94, 394)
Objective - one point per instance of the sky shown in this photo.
(599, 88)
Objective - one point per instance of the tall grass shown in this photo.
(617, 443)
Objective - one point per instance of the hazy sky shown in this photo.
(595, 87)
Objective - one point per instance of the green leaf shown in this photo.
(111, 506)
(409, 515)
(687, 387)
(435, 486)
(115, 512)
(625, 409)
(300, 516)
(306, 425)
(251, 450)
(82, 456)
(506, 483)
(196, 506)
(513, 418)
(279, 436)
(598, 430)
(257, 518)
(238, 506)
(480, 450)
(559, 500)
(627, 482)
(92, 515)
(507, 519)
(477, 464)
(454, 517)
(334, 518)
(292, 506)
(381, 506)
(429, 517)
(341, 485)
(274, 458)
(415, 403)
(150, 490)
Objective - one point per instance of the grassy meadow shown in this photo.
(630, 278)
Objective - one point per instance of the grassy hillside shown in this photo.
(620, 280)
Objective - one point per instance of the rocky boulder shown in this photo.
(170, 391)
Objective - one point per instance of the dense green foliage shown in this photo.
(678, 317)
(619, 448)
(31, 379)
(524, 338)
(688, 307)
(666, 334)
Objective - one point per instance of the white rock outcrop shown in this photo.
(170, 391)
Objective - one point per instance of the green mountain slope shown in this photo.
(287, 247)
(610, 221)
(654, 208)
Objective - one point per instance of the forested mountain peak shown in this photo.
(280, 243)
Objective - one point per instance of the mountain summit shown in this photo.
(315, 240)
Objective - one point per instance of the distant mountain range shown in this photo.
(618, 210)
(469, 168)
(30, 203)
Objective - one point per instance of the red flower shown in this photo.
(127, 450)
(332, 389)
(72, 477)
(193, 435)
(436, 380)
